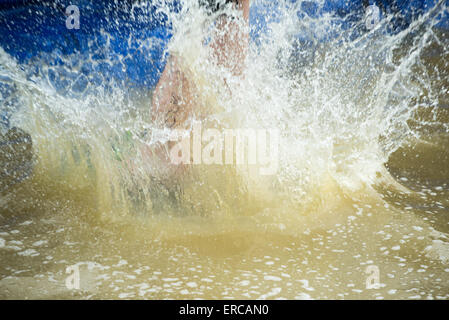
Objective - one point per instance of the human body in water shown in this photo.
(172, 101)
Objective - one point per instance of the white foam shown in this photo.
(273, 292)
(39, 243)
(438, 250)
(28, 253)
(272, 278)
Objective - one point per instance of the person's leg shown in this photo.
(171, 97)
(172, 101)
(230, 42)
(171, 106)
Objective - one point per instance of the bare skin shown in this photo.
(230, 44)
(173, 97)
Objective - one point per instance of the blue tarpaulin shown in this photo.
(125, 42)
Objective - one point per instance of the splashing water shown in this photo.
(362, 180)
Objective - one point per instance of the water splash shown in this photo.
(342, 107)
(348, 103)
